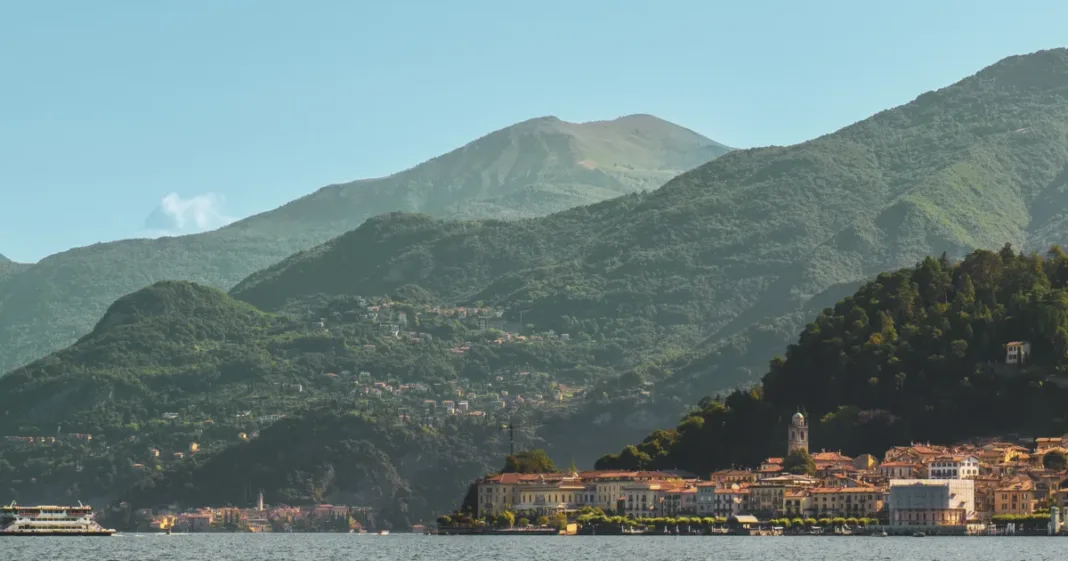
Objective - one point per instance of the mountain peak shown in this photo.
(168, 300)
(1047, 68)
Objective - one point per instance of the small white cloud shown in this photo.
(177, 215)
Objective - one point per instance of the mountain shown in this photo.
(915, 355)
(532, 168)
(642, 302)
(4, 259)
(177, 364)
(721, 264)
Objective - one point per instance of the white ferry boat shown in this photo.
(78, 520)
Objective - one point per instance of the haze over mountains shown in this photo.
(535, 167)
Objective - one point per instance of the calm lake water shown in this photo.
(403, 547)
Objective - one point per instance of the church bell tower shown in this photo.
(797, 439)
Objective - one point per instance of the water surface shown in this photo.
(403, 547)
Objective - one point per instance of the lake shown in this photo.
(405, 547)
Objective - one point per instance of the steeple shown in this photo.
(797, 437)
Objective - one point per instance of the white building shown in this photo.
(931, 502)
(954, 467)
(729, 500)
(1017, 352)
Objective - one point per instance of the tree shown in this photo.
(1055, 460)
(542, 521)
(529, 461)
(800, 462)
(506, 519)
(559, 521)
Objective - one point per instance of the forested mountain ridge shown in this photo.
(531, 168)
(915, 355)
(730, 254)
(177, 373)
(407, 475)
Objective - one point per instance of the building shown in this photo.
(772, 467)
(656, 498)
(932, 502)
(797, 439)
(551, 494)
(767, 497)
(1017, 352)
(918, 453)
(954, 467)
(1017, 496)
(865, 462)
(706, 498)
(729, 476)
(543, 492)
(862, 501)
(730, 500)
(1046, 444)
(899, 470)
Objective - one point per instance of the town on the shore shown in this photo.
(263, 518)
(991, 487)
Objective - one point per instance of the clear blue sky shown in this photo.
(239, 106)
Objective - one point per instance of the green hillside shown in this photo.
(532, 168)
(406, 475)
(725, 260)
(178, 363)
(915, 355)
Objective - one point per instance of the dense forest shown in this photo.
(915, 355)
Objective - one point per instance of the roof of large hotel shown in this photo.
(828, 490)
(513, 478)
(895, 464)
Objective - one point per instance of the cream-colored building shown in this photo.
(1017, 496)
(845, 501)
(767, 497)
(522, 491)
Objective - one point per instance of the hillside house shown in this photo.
(1017, 352)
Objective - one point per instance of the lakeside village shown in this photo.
(263, 519)
(986, 488)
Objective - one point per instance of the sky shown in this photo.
(126, 118)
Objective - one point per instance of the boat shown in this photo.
(383, 532)
(47, 520)
(919, 535)
(879, 534)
